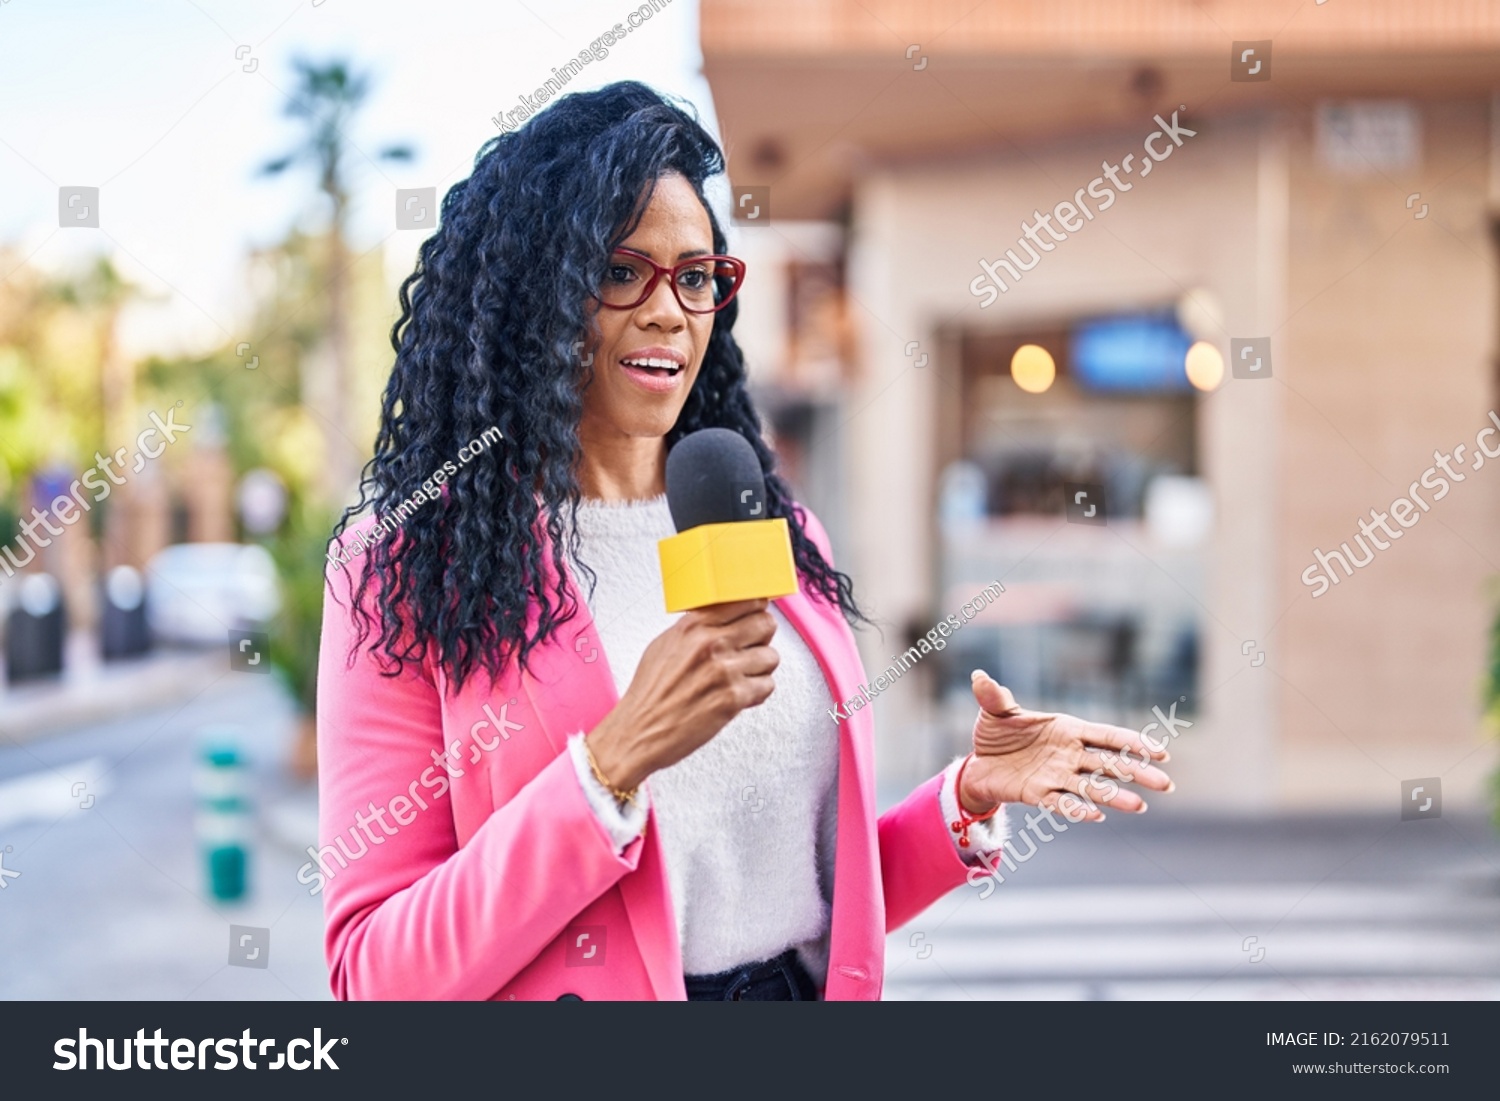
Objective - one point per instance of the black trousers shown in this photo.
(782, 979)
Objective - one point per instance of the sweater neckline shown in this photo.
(648, 516)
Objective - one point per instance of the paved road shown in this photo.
(1194, 908)
(111, 900)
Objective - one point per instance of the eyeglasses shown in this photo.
(704, 284)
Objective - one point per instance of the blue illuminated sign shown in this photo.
(1138, 352)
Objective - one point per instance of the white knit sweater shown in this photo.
(748, 821)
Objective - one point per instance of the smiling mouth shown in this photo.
(660, 368)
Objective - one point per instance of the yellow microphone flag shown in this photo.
(717, 563)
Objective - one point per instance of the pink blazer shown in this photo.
(461, 859)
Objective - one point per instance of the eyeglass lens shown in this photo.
(699, 285)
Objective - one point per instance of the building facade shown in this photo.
(1319, 212)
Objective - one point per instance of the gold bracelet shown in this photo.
(620, 796)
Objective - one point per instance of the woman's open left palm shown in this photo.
(1041, 758)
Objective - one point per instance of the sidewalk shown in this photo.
(90, 690)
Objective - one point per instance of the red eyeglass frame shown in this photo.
(657, 271)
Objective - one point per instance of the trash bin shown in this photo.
(35, 630)
(124, 632)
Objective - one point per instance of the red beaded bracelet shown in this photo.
(965, 819)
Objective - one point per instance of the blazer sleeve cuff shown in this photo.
(624, 823)
(984, 837)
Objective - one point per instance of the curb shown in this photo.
(35, 711)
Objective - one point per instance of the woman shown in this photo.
(578, 795)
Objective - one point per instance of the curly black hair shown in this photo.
(488, 336)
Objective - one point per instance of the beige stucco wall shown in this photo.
(1389, 354)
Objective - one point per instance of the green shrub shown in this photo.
(299, 549)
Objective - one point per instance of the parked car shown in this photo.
(196, 592)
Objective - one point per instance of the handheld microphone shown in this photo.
(726, 548)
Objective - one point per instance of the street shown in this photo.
(111, 900)
(1189, 907)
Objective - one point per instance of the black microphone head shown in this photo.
(713, 477)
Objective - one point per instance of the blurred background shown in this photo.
(209, 206)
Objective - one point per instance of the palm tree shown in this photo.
(326, 98)
(100, 294)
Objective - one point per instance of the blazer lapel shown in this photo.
(855, 943)
(570, 688)
(827, 636)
